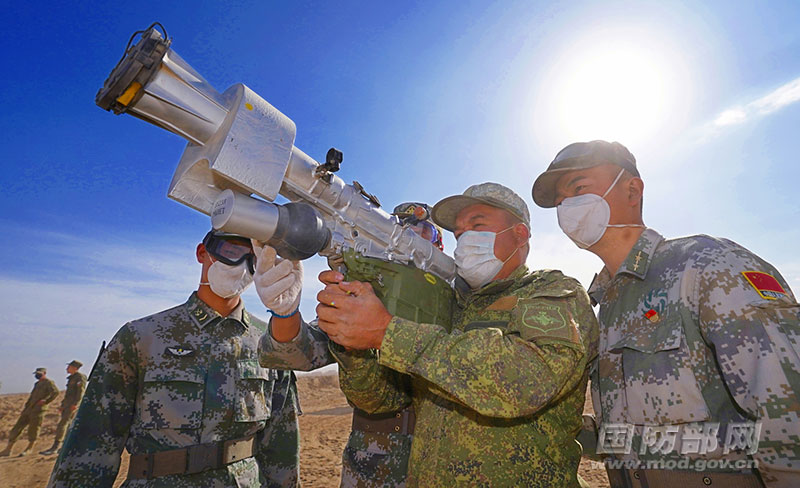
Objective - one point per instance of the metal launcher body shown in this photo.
(240, 156)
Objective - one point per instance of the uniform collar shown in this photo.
(637, 263)
(202, 314)
(464, 292)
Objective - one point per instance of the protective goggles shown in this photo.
(230, 249)
(426, 230)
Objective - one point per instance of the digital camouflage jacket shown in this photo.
(499, 397)
(699, 357)
(182, 377)
(370, 459)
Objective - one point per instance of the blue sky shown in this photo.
(424, 100)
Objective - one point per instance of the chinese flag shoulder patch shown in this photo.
(765, 284)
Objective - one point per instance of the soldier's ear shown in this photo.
(201, 253)
(635, 187)
(521, 233)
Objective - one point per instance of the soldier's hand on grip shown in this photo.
(352, 315)
(278, 281)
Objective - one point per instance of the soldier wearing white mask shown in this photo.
(698, 371)
(182, 391)
(498, 395)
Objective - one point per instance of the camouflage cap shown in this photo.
(75, 363)
(40, 370)
(580, 155)
(494, 194)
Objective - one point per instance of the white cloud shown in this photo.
(731, 117)
(785, 95)
(767, 104)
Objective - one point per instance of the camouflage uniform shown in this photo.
(76, 384)
(32, 414)
(182, 377)
(499, 397)
(370, 459)
(699, 330)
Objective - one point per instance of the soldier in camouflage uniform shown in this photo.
(698, 353)
(44, 392)
(76, 384)
(183, 392)
(379, 446)
(499, 396)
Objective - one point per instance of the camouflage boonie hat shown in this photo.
(75, 363)
(40, 370)
(494, 194)
(580, 155)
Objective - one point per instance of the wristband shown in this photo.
(274, 314)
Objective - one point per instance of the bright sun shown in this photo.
(625, 91)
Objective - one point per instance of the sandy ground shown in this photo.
(324, 428)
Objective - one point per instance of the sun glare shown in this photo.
(628, 91)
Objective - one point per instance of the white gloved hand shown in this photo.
(278, 281)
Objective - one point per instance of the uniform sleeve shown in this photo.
(306, 352)
(73, 386)
(91, 452)
(507, 373)
(51, 394)
(81, 388)
(65, 402)
(368, 385)
(278, 453)
(747, 311)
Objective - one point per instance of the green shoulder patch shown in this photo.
(543, 318)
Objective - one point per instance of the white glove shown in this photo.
(278, 281)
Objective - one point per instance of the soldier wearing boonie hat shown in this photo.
(698, 336)
(494, 194)
(498, 395)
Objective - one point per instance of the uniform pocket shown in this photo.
(660, 386)
(171, 399)
(254, 391)
(781, 322)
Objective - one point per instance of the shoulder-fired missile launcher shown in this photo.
(240, 156)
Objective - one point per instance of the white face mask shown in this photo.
(228, 281)
(475, 259)
(584, 218)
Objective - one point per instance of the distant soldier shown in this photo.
(379, 446)
(44, 392)
(76, 384)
